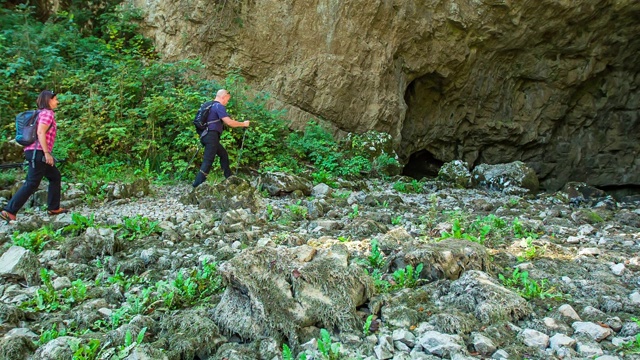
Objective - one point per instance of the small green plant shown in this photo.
(633, 346)
(51, 334)
(298, 211)
(376, 259)
(400, 187)
(354, 212)
(328, 350)
(79, 224)
(366, 329)
(35, 241)
(407, 277)
(286, 352)
(341, 194)
(88, 351)
(396, 220)
(594, 217)
(138, 227)
(270, 214)
(526, 287)
(344, 238)
(531, 251)
(125, 349)
(382, 286)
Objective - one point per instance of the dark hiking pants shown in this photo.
(34, 176)
(212, 147)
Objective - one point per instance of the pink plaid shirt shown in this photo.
(45, 118)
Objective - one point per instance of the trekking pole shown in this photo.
(244, 134)
(191, 161)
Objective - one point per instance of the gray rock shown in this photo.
(534, 338)
(259, 299)
(594, 331)
(561, 340)
(500, 355)
(480, 294)
(62, 282)
(384, 349)
(23, 332)
(635, 298)
(441, 344)
(482, 344)
(18, 262)
(456, 172)
(505, 176)
(282, 183)
(607, 357)
(404, 336)
(321, 190)
(589, 349)
(618, 269)
(58, 348)
(567, 311)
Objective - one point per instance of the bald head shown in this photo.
(223, 96)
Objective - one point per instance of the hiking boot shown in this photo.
(7, 216)
(59, 211)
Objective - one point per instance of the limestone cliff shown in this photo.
(554, 83)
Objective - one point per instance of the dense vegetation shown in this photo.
(125, 111)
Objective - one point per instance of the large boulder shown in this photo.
(480, 294)
(447, 259)
(456, 172)
(20, 263)
(276, 292)
(281, 183)
(514, 177)
(93, 243)
(231, 194)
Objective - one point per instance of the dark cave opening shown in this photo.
(422, 164)
(628, 192)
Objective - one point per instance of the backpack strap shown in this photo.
(206, 129)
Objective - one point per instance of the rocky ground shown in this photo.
(275, 268)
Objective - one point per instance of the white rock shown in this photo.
(575, 239)
(617, 269)
(62, 282)
(561, 340)
(568, 311)
(500, 355)
(586, 229)
(594, 331)
(590, 251)
(534, 338)
(635, 298)
(589, 349)
(483, 344)
(443, 345)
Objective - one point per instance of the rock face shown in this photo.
(551, 83)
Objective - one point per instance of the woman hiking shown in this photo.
(41, 162)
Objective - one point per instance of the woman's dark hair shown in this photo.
(43, 99)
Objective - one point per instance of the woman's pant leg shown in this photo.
(53, 194)
(34, 176)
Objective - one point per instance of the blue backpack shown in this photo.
(26, 127)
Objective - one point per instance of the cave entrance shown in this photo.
(422, 164)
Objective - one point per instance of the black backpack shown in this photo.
(26, 127)
(200, 121)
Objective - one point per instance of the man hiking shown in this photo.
(210, 138)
